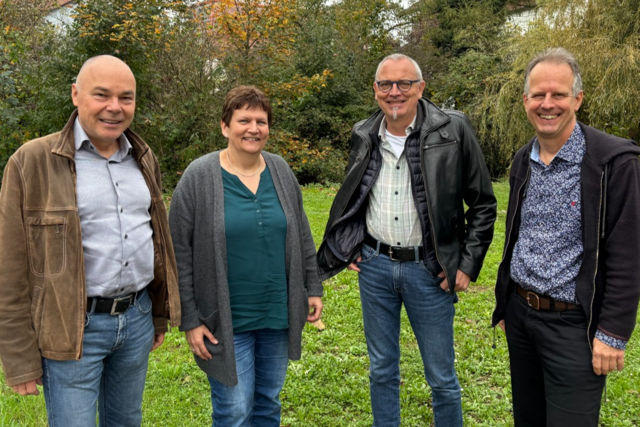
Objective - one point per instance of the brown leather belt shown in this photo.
(539, 302)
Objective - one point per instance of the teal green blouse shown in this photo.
(256, 230)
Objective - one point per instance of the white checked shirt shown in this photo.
(392, 217)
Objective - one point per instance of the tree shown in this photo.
(457, 44)
(602, 34)
(19, 39)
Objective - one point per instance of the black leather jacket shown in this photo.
(447, 171)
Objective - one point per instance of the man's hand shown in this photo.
(354, 265)
(462, 281)
(29, 388)
(195, 338)
(157, 340)
(606, 358)
(501, 324)
(315, 309)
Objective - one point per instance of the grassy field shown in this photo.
(330, 386)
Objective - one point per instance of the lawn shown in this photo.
(330, 386)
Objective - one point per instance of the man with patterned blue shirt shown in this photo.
(567, 290)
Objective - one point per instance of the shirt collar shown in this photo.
(81, 137)
(572, 151)
(383, 127)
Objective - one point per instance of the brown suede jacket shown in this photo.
(42, 283)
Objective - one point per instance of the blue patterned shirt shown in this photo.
(548, 254)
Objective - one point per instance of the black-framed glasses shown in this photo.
(403, 85)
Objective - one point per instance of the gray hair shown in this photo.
(557, 55)
(398, 57)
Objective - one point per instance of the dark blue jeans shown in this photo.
(111, 372)
(552, 378)
(384, 286)
(261, 362)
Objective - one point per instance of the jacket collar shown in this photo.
(601, 147)
(608, 146)
(65, 146)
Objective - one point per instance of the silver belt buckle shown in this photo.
(391, 253)
(113, 311)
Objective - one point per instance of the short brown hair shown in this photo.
(245, 97)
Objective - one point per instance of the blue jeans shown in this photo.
(110, 374)
(384, 286)
(262, 357)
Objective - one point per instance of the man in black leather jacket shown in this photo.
(399, 220)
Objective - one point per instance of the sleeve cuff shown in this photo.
(610, 341)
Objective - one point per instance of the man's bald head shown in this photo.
(102, 61)
(105, 94)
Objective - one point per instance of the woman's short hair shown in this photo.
(247, 97)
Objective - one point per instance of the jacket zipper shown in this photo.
(444, 144)
(83, 288)
(426, 192)
(506, 244)
(508, 236)
(595, 273)
(340, 217)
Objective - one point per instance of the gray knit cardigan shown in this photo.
(196, 218)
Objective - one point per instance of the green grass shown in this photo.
(330, 386)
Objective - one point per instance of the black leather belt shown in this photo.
(396, 253)
(113, 306)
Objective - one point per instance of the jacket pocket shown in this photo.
(47, 246)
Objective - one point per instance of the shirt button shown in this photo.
(396, 218)
(126, 236)
(398, 243)
(126, 264)
(255, 201)
(259, 223)
(120, 210)
(398, 167)
(396, 193)
(116, 184)
(258, 211)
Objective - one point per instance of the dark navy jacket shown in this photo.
(608, 285)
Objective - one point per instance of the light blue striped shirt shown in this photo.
(113, 205)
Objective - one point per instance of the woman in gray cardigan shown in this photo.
(246, 263)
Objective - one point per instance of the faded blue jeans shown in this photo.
(384, 286)
(111, 373)
(262, 357)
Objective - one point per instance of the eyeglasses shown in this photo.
(403, 85)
